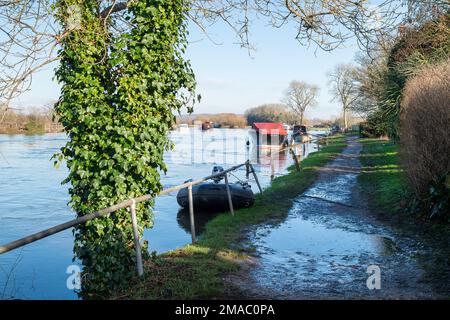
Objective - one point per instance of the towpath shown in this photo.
(330, 240)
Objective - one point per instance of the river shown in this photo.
(32, 199)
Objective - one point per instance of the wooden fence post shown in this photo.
(191, 213)
(230, 200)
(247, 169)
(295, 158)
(256, 178)
(137, 244)
(272, 168)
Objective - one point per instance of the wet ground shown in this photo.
(323, 249)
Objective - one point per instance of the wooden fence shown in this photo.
(131, 204)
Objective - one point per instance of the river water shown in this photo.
(32, 199)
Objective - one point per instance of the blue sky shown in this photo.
(232, 80)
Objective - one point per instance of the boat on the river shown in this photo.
(300, 134)
(270, 134)
(207, 125)
(212, 196)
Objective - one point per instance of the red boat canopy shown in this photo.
(270, 128)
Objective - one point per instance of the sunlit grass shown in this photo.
(381, 174)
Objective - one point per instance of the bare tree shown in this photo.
(29, 35)
(370, 76)
(299, 96)
(27, 43)
(344, 88)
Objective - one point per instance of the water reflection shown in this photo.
(201, 219)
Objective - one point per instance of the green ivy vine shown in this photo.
(118, 98)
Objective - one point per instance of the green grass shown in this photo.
(196, 271)
(381, 176)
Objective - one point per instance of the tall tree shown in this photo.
(344, 88)
(119, 92)
(299, 96)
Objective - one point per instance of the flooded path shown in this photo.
(329, 239)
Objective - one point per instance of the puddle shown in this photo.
(314, 239)
(338, 190)
(312, 254)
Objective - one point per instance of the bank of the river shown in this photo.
(329, 240)
(381, 174)
(197, 271)
(30, 128)
(34, 200)
(384, 179)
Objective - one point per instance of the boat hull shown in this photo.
(302, 138)
(211, 196)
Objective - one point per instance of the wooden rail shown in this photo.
(131, 203)
(297, 157)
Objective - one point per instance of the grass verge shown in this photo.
(385, 181)
(196, 271)
(381, 176)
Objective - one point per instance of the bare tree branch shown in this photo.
(29, 35)
(115, 7)
(344, 88)
(299, 96)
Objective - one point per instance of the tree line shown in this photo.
(301, 96)
(35, 121)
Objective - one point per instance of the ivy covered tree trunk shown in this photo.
(119, 92)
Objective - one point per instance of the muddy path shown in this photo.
(323, 249)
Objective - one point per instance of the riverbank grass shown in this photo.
(197, 271)
(381, 176)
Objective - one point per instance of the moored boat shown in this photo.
(207, 125)
(300, 134)
(183, 128)
(269, 134)
(212, 196)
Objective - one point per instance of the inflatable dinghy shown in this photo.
(212, 196)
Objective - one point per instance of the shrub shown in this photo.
(375, 126)
(34, 121)
(424, 135)
(413, 49)
(232, 120)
